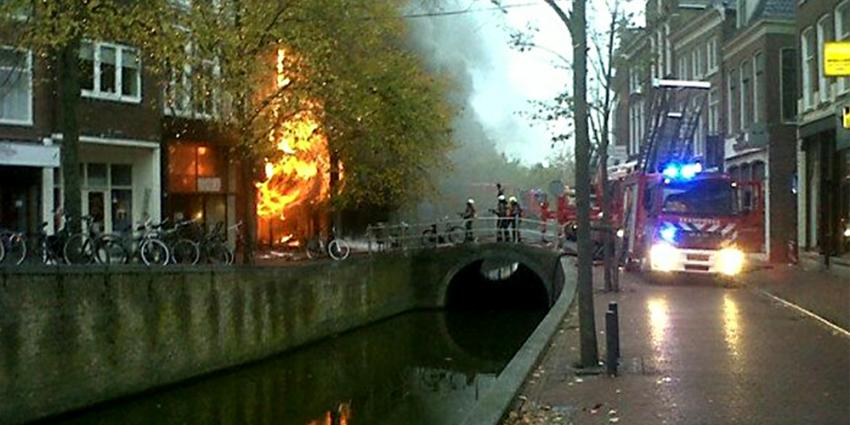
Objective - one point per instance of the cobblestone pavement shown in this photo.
(696, 352)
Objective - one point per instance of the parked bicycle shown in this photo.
(178, 238)
(213, 246)
(89, 246)
(452, 233)
(13, 247)
(335, 248)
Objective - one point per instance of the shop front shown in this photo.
(824, 182)
(119, 181)
(202, 184)
(21, 167)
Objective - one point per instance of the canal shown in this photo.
(427, 367)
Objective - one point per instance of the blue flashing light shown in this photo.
(675, 171)
(668, 233)
(671, 171)
(691, 170)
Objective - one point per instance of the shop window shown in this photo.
(195, 168)
(121, 175)
(95, 175)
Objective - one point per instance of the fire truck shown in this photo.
(674, 214)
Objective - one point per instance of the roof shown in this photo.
(784, 9)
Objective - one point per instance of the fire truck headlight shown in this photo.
(662, 257)
(621, 233)
(730, 261)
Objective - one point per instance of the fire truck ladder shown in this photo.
(677, 107)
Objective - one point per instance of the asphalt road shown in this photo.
(695, 352)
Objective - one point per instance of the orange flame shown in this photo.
(297, 176)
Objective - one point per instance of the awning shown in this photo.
(28, 154)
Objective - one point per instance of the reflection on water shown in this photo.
(417, 368)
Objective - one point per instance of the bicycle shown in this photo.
(452, 234)
(182, 250)
(147, 247)
(212, 246)
(13, 247)
(335, 248)
(89, 247)
(48, 249)
(237, 241)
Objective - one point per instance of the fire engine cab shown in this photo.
(674, 215)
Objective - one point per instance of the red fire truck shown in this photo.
(674, 215)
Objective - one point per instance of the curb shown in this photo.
(496, 402)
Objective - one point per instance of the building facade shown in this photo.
(823, 145)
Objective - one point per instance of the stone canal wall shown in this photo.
(73, 337)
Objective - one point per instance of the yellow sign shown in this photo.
(836, 59)
(846, 117)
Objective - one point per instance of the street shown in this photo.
(698, 353)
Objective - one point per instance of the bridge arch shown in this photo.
(534, 270)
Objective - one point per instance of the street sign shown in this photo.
(836, 59)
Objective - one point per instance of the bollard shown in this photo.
(612, 339)
(612, 306)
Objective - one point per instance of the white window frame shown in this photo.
(713, 112)
(697, 74)
(730, 96)
(634, 80)
(755, 83)
(29, 121)
(711, 57)
(743, 74)
(842, 34)
(683, 68)
(823, 81)
(96, 92)
(807, 56)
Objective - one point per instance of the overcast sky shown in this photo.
(505, 80)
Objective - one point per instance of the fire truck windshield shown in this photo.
(699, 197)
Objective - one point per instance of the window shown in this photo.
(636, 126)
(683, 68)
(745, 95)
(732, 99)
(668, 51)
(190, 92)
(713, 112)
(110, 71)
(696, 64)
(788, 84)
(634, 81)
(742, 13)
(842, 32)
(823, 34)
(195, 168)
(758, 82)
(711, 56)
(809, 66)
(15, 86)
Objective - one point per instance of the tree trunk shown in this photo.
(589, 352)
(69, 87)
(249, 176)
(608, 239)
(333, 188)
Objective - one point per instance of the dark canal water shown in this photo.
(417, 368)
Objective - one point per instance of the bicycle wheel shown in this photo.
(154, 252)
(185, 251)
(217, 253)
(313, 249)
(457, 234)
(110, 250)
(14, 247)
(77, 250)
(429, 237)
(339, 249)
(2, 252)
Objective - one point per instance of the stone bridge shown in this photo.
(488, 275)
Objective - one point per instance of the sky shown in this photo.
(503, 80)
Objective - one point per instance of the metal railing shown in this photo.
(403, 236)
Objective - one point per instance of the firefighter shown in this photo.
(468, 215)
(512, 222)
(501, 212)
